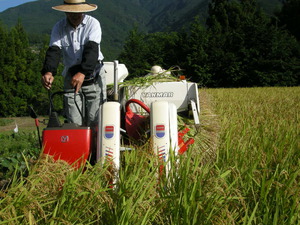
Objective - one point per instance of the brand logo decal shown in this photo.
(160, 131)
(64, 139)
(109, 132)
(157, 94)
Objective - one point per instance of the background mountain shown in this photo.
(239, 46)
(117, 17)
(6, 4)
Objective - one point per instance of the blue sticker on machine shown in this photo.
(109, 132)
(160, 131)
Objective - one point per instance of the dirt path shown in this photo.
(210, 127)
(24, 124)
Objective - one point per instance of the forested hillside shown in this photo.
(117, 18)
(237, 45)
(240, 46)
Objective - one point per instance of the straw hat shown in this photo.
(75, 6)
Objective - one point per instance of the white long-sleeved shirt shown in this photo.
(71, 40)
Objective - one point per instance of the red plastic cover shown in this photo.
(70, 145)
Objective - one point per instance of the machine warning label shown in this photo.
(109, 132)
(157, 94)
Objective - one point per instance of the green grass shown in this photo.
(15, 149)
(5, 121)
(243, 169)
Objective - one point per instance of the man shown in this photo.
(77, 38)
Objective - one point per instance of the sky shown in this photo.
(5, 4)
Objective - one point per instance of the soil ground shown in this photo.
(23, 123)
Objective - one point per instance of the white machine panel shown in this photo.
(173, 128)
(109, 69)
(179, 93)
(160, 131)
(109, 133)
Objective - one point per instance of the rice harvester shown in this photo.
(122, 116)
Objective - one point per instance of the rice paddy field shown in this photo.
(244, 168)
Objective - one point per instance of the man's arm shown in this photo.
(89, 61)
(89, 58)
(50, 66)
(52, 58)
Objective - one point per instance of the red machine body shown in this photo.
(69, 143)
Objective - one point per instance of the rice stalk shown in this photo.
(243, 169)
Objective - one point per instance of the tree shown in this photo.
(246, 49)
(239, 47)
(289, 17)
(19, 74)
(134, 52)
(142, 51)
(196, 56)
